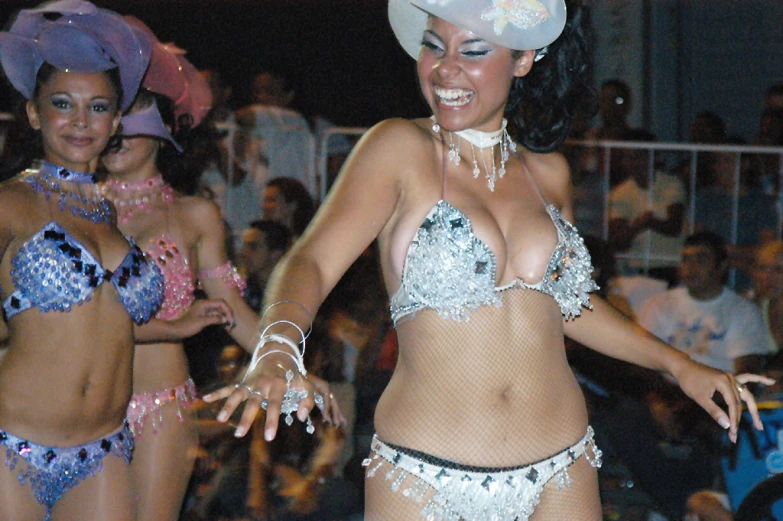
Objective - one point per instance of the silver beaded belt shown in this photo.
(475, 493)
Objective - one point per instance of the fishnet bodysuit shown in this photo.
(493, 391)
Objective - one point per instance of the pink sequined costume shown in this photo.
(178, 297)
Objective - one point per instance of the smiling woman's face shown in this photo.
(76, 114)
(465, 79)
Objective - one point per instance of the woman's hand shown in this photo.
(701, 382)
(267, 383)
(203, 313)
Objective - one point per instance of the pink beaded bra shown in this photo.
(180, 284)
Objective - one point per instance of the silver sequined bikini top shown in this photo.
(448, 269)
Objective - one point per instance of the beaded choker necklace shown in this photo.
(49, 179)
(482, 141)
(131, 197)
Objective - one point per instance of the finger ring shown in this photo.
(331, 396)
(243, 384)
(319, 401)
(257, 393)
(264, 403)
(741, 387)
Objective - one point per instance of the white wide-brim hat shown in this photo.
(515, 24)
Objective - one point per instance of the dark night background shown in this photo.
(341, 57)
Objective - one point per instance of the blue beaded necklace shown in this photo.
(47, 180)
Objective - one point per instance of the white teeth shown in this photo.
(454, 97)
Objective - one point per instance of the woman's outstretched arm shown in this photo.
(359, 207)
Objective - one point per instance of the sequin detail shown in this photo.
(470, 493)
(53, 471)
(178, 277)
(227, 273)
(53, 271)
(149, 405)
(524, 14)
(132, 197)
(47, 180)
(448, 269)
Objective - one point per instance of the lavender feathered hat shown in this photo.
(515, 24)
(82, 39)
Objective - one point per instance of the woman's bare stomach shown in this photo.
(159, 366)
(495, 391)
(62, 384)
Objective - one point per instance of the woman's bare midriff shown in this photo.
(159, 366)
(493, 391)
(66, 378)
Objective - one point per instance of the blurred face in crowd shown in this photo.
(76, 114)
(269, 89)
(614, 104)
(700, 272)
(255, 253)
(768, 271)
(276, 208)
(136, 155)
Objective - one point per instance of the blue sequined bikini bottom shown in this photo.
(53, 471)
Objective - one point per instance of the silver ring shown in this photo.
(257, 393)
(243, 384)
(264, 403)
(319, 401)
(331, 396)
(741, 387)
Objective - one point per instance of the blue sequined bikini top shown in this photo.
(53, 271)
(448, 269)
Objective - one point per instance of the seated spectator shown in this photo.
(282, 135)
(773, 98)
(263, 244)
(768, 278)
(234, 169)
(287, 201)
(756, 214)
(646, 214)
(708, 128)
(704, 318)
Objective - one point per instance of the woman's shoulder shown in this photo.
(195, 206)
(16, 196)
(552, 174)
(198, 212)
(394, 134)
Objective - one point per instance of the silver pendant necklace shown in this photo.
(482, 140)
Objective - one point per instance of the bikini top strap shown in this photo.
(532, 180)
(444, 165)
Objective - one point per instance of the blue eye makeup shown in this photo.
(60, 103)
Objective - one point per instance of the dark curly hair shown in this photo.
(23, 143)
(542, 104)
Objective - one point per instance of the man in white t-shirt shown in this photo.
(705, 319)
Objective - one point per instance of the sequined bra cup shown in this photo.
(448, 269)
(53, 272)
(180, 284)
